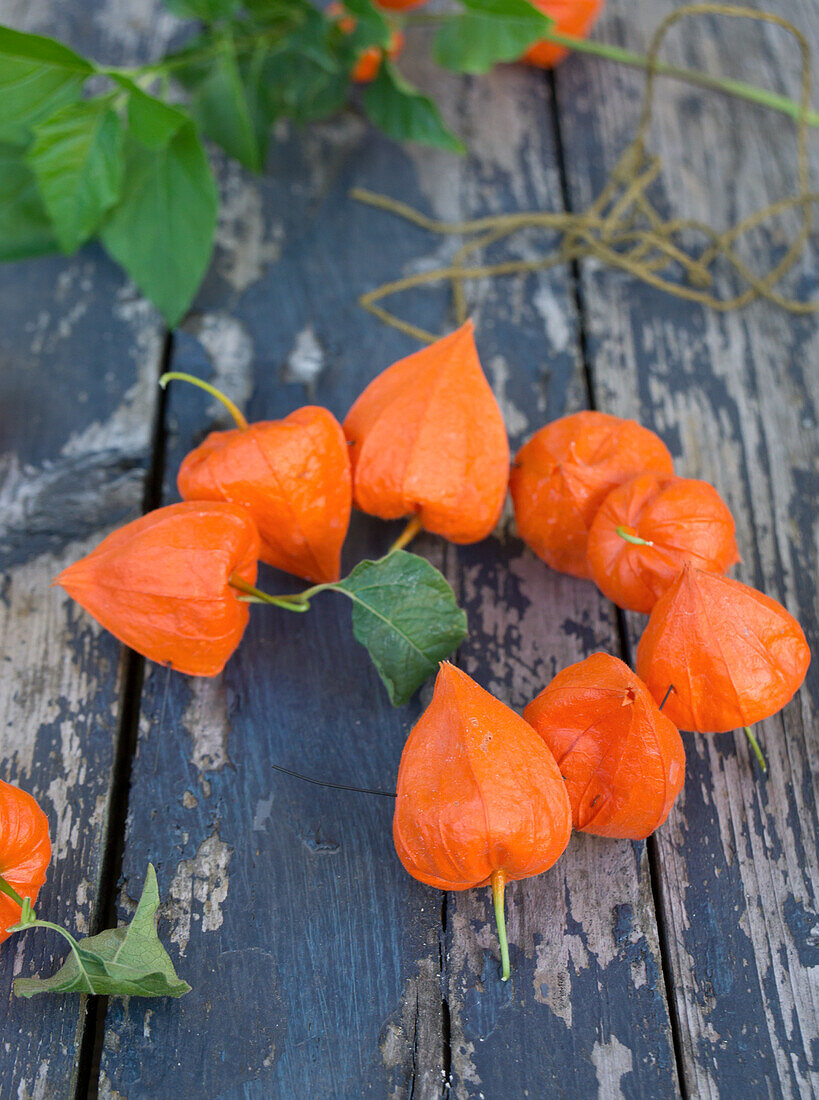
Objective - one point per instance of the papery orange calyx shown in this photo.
(575, 17)
(621, 757)
(480, 798)
(563, 474)
(427, 438)
(292, 476)
(161, 584)
(25, 851)
(734, 655)
(648, 528)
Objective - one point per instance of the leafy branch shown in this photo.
(404, 613)
(125, 165)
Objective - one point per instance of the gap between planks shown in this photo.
(130, 695)
(576, 288)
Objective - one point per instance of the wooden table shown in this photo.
(686, 965)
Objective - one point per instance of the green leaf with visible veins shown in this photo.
(38, 76)
(406, 615)
(129, 961)
(404, 113)
(162, 229)
(227, 109)
(489, 31)
(25, 229)
(77, 159)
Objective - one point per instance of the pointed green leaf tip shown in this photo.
(128, 961)
(406, 615)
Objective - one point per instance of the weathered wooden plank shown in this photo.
(313, 957)
(585, 1006)
(270, 881)
(79, 353)
(735, 398)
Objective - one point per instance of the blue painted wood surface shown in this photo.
(319, 967)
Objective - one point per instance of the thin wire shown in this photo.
(622, 228)
(335, 786)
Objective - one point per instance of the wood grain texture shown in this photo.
(319, 967)
(735, 397)
(79, 355)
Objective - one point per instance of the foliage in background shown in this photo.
(127, 166)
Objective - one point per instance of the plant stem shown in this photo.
(755, 746)
(407, 535)
(498, 886)
(635, 540)
(180, 376)
(299, 601)
(762, 96)
(296, 602)
(7, 889)
(75, 947)
(738, 88)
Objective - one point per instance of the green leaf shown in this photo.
(25, 229)
(404, 113)
(77, 159)
(308, 78)
(371, 27)
(38, 76)
(488, 32)
(228, 111)
(128, 961)
(208, 11)
(162, 229)
(152, 122)
(406, 615)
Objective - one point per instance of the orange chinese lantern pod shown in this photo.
(399, 5)
(427, 439)
(162, 584)
(734, 655)
(575, 17)
(648, 528)
(622, 759)
(565, 472)
(480, 798)
(369, 62)
(292, 476)
(25, 853)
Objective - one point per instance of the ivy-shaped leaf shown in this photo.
(76, 157)
(129, 961)
(488, 32)
(162, 229)
(404, 113)
(38, 76)
(406, 615)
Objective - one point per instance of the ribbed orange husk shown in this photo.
(622, 758)
(25, 850)
(685, 519)
(734, 655)
(292, 476)
(478, 791)
(575, 17)
(369, 61)
(399, 5)
(564, 473)
(160, 584)
(427, 437)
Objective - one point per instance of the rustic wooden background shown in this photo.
(686, 965)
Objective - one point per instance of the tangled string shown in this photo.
(622, 228)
